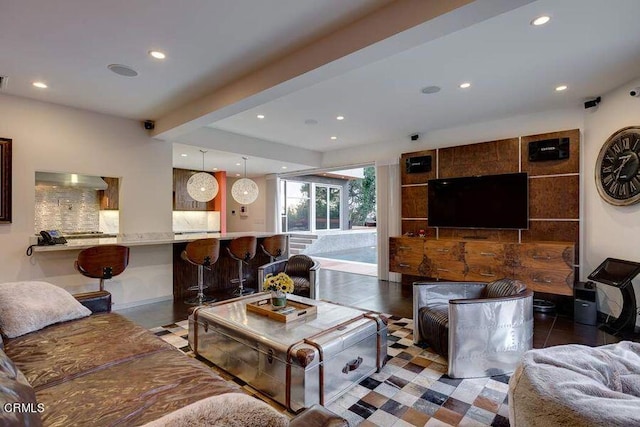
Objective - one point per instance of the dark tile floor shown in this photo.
(389, 297)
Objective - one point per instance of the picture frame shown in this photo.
(5, 181)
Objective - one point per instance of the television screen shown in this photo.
(616, 272)
(488, 201)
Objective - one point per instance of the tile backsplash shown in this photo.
(196, 221)
(67, 209)
(71, 209)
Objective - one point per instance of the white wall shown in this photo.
(256, 218)
(47, 137)
(610, 231)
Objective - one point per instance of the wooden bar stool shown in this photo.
(102, 262)
(242, 250)
(202, 253)
(274, 246)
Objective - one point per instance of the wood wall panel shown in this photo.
(570, 165)
(417, 178)
(486, 158)
(554, 197)
(412, 227)
(414, 202)
(568, 231)
(490, 235)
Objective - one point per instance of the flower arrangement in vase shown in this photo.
(280, 285)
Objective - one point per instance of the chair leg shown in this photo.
(200, 298)
(241, 290)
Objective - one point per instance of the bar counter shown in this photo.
(143, 239)
(184, 274)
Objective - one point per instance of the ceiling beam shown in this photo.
(234, 143)
(398, 26)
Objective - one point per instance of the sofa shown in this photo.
(102, 369)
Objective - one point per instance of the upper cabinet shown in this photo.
(109, 198)
(182, 201)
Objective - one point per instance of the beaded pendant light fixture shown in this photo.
(244, 190)
(202, 186)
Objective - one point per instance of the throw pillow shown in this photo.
(29, 306)
(225, 410)
(504, 288)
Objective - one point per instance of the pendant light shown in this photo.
(244, 190)
(202, 186)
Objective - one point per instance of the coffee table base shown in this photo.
(297, 373)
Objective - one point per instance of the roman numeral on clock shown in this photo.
(626, 143)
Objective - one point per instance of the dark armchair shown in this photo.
(483, 329)
(303, 271)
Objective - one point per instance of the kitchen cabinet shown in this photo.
(544, 266)
(182, 201)
(109, 199)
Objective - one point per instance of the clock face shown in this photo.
(618, 168)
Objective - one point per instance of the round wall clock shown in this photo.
(618, 167)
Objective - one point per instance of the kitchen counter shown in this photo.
(143, 239)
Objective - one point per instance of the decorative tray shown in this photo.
(292, 311)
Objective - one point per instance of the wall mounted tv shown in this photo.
(488, 201)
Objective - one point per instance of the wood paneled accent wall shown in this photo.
(554, 188)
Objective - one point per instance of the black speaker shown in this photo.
(549, 149)
(418, 164)
(585, 306)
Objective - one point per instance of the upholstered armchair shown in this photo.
(483, 329)
(301, 268)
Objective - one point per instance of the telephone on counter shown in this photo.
(51, 237)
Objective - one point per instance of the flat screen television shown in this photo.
(487, 201)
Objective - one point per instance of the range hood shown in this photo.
(71, 180)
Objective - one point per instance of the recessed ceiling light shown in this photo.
(260, 116)
(40, 85)
(540, 20)
(157, 54)
(215, 169)
(237, 174)
(340, 118)
(465, 85)
(561, 88)
(333, 138)
(183, 155)
(122, 70)
(430, 89)
(283, 167)
(310, 122)
(238, 164)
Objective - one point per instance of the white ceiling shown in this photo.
(590, 45)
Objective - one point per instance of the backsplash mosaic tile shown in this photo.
(67, 209)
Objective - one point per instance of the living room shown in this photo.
(49, 134)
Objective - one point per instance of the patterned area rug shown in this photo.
(411, 390)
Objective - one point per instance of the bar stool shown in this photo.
(102, 262)
(202, 253)
(274, 246)
(242, 250)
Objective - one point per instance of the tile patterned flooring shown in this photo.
(411, 390)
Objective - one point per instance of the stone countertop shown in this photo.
(145, 239)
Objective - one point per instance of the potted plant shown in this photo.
(279, 285)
